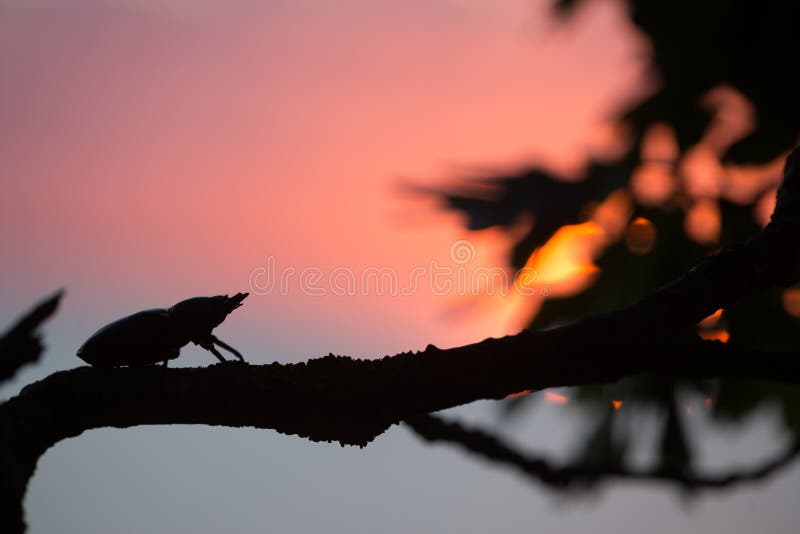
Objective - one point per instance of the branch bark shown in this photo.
(337, 398)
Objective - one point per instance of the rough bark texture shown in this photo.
(337, 398)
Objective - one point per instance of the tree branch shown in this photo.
(352, 401)
(339, 398)
(435, 429)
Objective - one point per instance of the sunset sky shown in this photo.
(154, 150)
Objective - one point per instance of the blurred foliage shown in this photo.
(21, 344)
(697, 48)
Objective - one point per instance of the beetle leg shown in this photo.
(209, 346)
(173, 353)
(227, 347)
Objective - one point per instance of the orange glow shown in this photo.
(791, 302)
(716, 335)
(555, 398)
(565, 263)
(734, 118)
(659, 144)
(701, 172)
(712, 328)
(765, 207)
(640, 237)
(653, 184)
(712, 320)
(702, 222)
(523, 393)
(613, 213)
(743, 183)
(617, 404)
(707, 402)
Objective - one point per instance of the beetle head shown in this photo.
(198, 316)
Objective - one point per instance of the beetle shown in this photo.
(153, 336)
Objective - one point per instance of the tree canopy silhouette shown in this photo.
(699, 172)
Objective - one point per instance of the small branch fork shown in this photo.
(337, 398)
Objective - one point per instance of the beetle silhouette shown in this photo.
(153, 336)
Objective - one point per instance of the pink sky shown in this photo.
(156, 151)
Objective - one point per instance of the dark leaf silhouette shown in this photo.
(22, 344)
(549, 200)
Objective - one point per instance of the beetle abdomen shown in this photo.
(143, 338)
